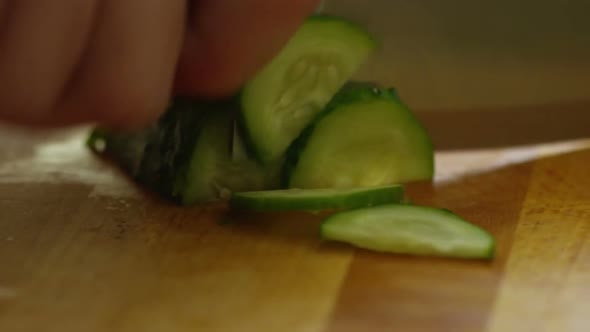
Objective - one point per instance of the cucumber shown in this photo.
(151, 154)
(286, 94)
(186, 155)
(314, 200)
(126, 147)
(210, 172)
(364, 137)
(408, 229)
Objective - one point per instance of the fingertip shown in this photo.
(230, 41)
(206, 75)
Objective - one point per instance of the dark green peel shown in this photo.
(162, 156)
(314, 200)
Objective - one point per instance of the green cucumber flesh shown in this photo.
(210, 155)
(281, 99)
(364, 137)
(413, 230)
(211, 173)
(316, 199)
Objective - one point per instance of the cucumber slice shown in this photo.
(316, 199)
(209, 159)
(413, 230)
(364, 137)
(186, 156)
(285, 95)
(212, 172)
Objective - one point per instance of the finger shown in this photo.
(127, 74)
(40, 44)
(229, 40)
(3, 6)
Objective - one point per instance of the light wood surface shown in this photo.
(81, 249)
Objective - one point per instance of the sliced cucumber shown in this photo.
(209, 159)
(316, 199)
(126, 147)
(153, 155)
(186, 156)
(407, 229)
(281, 99)
(364, 137)
(212, 173)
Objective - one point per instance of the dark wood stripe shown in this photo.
(397, 293)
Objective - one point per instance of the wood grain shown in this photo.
(548, 272)
(82, 249)
(424, 294)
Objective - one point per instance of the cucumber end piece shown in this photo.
(96, 141)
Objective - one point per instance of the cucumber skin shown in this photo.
(166, 156)
(490, 254)
(352, 92)
(385, 195)
(322, 17)
(161, 165)
(242, 123)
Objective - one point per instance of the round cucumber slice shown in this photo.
(316, 199)
(408, 229)
(364, 137)
(211, 171)
(286, 94)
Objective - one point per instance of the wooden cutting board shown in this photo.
(81, 249)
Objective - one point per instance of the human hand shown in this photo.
(118, 62)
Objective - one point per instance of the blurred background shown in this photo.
(489, 72)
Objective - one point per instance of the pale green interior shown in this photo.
(410, 229)
(364, 144)
(210, 153)
(212, 174)
(298, 83)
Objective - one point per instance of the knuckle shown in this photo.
(128, 105)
